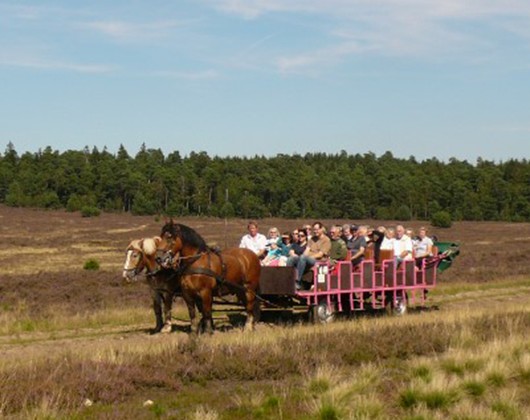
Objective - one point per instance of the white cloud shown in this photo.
(414, 28)
(129, 31)
(32, 61)
(198, 75)
(355, 8)
(467, 30)
(328, 56)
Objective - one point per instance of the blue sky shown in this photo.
(243, 77)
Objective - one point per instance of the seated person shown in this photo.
(278, 251)
(422, 247)
(338, 250)
(410, 233)
(254, 240)
(402, 245)
(388, 241)
(297, 247)
(347, 235)
(318, 249)
(359, 247)
(377, 236)
(273, 237)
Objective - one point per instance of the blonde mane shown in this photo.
(150, 245)
(136, 244)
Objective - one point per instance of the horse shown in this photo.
(163, 282)
(205, 272)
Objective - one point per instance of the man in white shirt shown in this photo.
(402, 245)
(254, 240)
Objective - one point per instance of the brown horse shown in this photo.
(164, 283)
(205, 273)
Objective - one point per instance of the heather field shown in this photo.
(76, 343)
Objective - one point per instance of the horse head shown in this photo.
(181, 239)
(171, 240)
(140, 255)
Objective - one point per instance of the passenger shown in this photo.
(286, 247)
(402, 245)
(318, 249)
(273, 237)
(338, 250)
(302, 242)
(376, 237)
(294, 235)
(422, 247)
(275, 248)
(359, 247)
(388, 240)
(254, 240)
(308, 231)
(410, 233)
(347, 235)
(297, 248)
(287, 242)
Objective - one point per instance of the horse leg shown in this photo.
(206, 300)
(190, 303)
(253, 309)
(157, 308)
(168, 302)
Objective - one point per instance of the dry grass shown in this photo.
(320, 360)
(68, 335)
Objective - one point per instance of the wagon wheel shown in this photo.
(321, 313)
(398, 306)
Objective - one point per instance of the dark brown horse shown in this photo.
(164, 283)
(205, 273)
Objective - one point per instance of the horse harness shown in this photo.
(188, 269)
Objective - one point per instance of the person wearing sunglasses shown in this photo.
(317, 249)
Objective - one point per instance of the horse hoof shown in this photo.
(166, 329)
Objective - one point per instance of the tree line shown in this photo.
(314, 185)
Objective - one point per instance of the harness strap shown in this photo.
(219, 279)
(206, 272)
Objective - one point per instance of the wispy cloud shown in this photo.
(28, 61)
(131, 31)
(22, 11)
(462, 29)
(329, 56)
(198, 75)
(349, 9)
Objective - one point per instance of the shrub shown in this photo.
(496, 379)
(423, 372)
(403, 213)
(78, 202)
(474, 388)
(409, 398)
(441, 219)
(90, 211)
(438, 399)
(328, 412)
(383, 213)
(91, 264)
